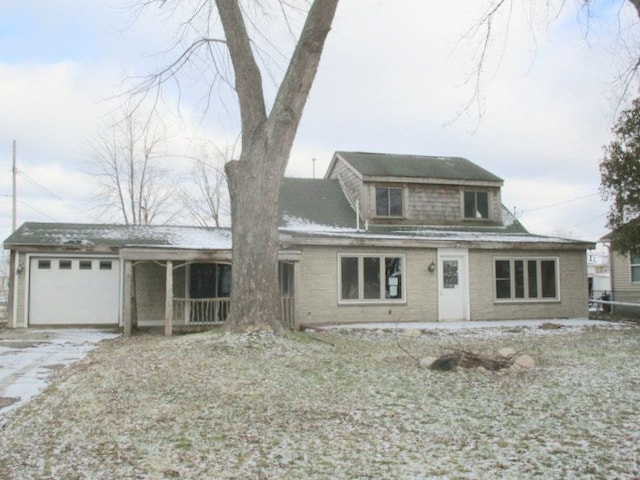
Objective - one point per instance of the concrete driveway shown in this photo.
(28, 357)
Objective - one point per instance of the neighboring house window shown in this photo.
(526, 278)
(389, 202)
(371, 278)
(44, 264)
(476, 204)
(634, 260)
(105, 264)
(64, 264)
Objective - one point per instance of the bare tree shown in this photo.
(493, 26)
(125, 164)
(266, 135)
(206, 195)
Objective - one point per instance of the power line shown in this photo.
(55, 195)
(37, 210)
(557, 204)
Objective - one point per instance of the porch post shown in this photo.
(296, 289)
(168, 307)
(126, 302)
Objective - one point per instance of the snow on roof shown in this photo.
(61, 234)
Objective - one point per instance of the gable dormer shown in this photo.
(418, 190)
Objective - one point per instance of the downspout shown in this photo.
(358, 215)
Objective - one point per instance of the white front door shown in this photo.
(453, 285)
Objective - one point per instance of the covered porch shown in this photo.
(189, 290)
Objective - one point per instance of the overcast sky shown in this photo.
(393, 79)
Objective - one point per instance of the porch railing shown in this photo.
(214, 311)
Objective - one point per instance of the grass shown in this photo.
(354, 405)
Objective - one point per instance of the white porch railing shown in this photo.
(214, 311)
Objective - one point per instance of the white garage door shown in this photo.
(74, 291)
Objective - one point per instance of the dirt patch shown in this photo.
(6, 401)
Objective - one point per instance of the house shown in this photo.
(624, 277)
(381, 238)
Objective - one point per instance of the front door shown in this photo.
(453, 285)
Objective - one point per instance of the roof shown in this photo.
(104, 235)
(315, 201)
(416, 166)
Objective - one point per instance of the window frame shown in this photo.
(634, 263)
(361, 299)
(475, 203)
(388, 201)
(520, 269)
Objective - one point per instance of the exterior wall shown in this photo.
(317, 297)
(19, 305)
(427, 204)
(149, 285)
(624, 290)
(573, 287)
(349, 181)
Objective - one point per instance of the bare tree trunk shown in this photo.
(255, 292)
(636, 4)
(255, 179)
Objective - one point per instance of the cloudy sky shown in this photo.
(395, 77)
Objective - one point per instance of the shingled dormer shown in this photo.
(418, 190)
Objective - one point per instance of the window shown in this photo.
(388, 202)
(634, 261)
(526, 279)
(64, 265)
(370, 278)
(105, 264)
(44, 264)
(476, 204)
(85, 265)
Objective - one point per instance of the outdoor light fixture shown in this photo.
(432, 266)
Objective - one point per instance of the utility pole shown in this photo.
(15, 194)
(313, 160)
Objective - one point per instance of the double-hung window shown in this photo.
(526, 278)
(370, 278)
(476, 204)
(389, 201)
(634, 261)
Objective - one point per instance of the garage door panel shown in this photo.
(67, 291)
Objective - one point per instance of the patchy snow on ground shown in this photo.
(28, 358)
(339, 404)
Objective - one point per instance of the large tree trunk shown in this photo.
(255, 179)
(255, 292)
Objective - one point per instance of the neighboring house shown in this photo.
(624, 271)
(382, 238)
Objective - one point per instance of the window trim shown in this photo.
(476, 192)
(388, 188)
(633, 265)
(525, 278)
(371, 301)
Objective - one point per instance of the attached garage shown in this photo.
(73, 290)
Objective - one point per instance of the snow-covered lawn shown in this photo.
(348, 404)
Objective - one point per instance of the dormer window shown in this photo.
(476, 205)
(388, 202)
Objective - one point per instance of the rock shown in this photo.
(506, 352)
(445, 363)
(550, 326)
(412, 332)
(426, 362)
(379, 332)
(525, 362)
